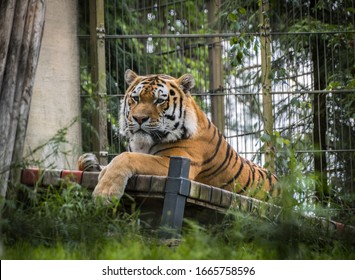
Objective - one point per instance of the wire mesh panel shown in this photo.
(312, 54)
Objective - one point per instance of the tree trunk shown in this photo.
(265, 46)
(20, 41)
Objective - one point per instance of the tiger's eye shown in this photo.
(159, 101)
(135, 98)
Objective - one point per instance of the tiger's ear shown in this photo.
(186, 82)
(130, 76)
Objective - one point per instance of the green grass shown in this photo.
(66, 223)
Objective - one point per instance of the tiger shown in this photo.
(160, 119)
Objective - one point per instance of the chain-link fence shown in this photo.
(301, 53)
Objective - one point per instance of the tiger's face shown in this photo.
(155, 109)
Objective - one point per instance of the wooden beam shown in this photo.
(215, 67)
(98, 77)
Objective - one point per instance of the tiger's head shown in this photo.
(157, 109)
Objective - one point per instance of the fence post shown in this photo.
(265, 46)
(98, 77)
(215, 66)
(177, 188)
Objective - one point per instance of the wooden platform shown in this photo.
(166, 201)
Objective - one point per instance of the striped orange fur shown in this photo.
(160, 119)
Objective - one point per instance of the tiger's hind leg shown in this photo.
(89, 162)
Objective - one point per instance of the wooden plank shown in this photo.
(89, 179)
(51, 177)
(30, 177)
(72, 175)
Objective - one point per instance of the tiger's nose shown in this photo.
(140, 119)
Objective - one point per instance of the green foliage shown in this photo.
(318, 38)
(296, 184)
(299, 184)
(66, 223)
(241, 19)
(65, 215)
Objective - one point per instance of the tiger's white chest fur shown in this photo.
(140, 143)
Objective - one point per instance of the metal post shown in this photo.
(176, 190)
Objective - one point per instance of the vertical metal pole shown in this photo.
(176, 190)
(98, 76)
(265, 45)
(215, 67)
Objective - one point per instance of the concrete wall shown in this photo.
(56, 101)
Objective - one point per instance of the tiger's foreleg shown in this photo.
(113, 177)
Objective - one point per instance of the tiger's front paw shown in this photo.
(111, 184)
(108, 192)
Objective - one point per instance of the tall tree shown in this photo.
(22, 24)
